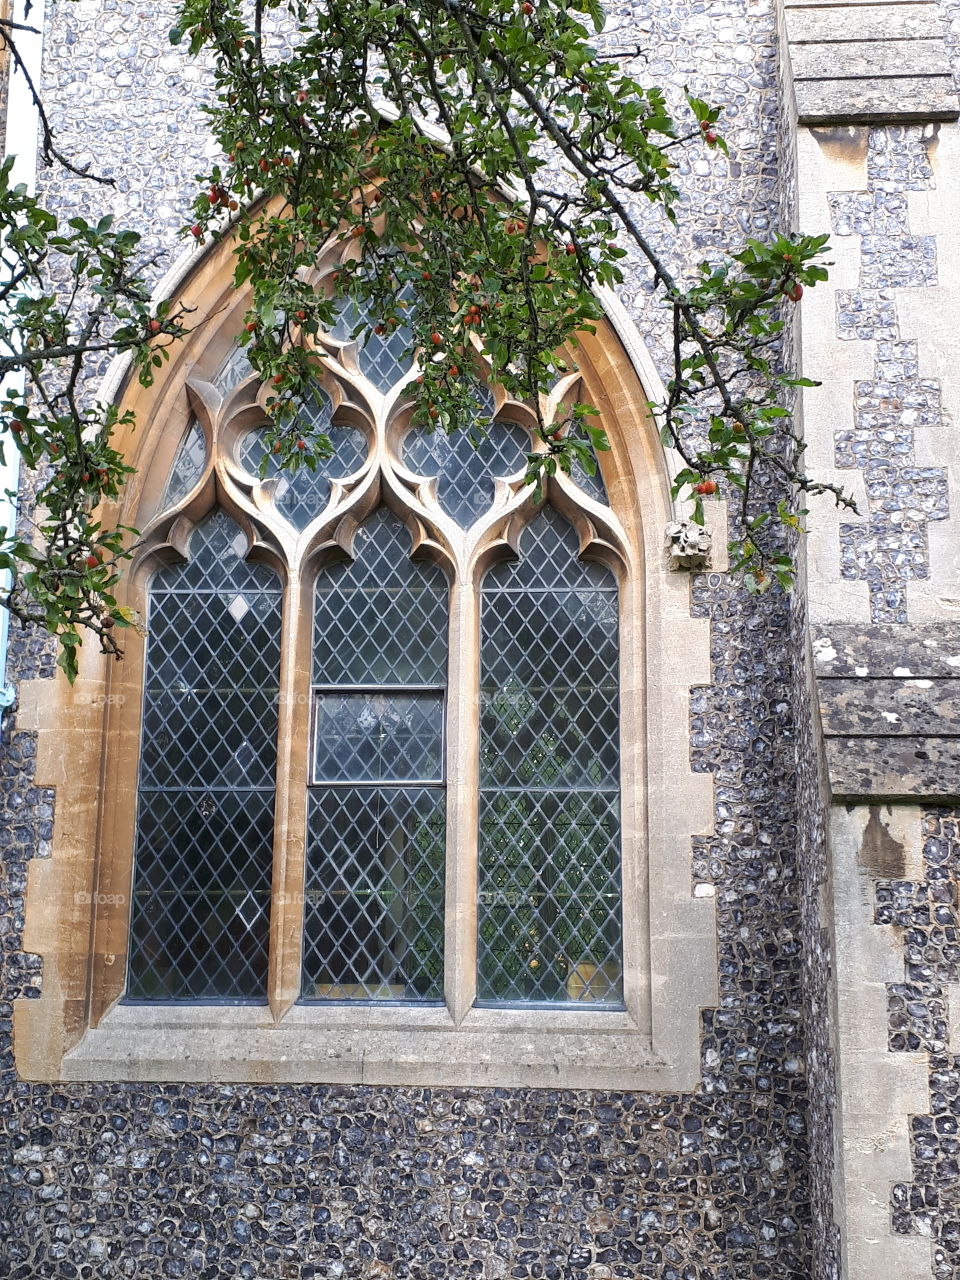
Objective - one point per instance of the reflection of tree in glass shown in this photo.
(549, 922)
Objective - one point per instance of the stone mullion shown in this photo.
(463, 771)
(287, 903)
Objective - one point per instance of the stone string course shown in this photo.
(292, 1183)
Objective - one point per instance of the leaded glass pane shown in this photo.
(374, 894)
(301, 495)
(188, 465)
(201, 893)
(549, 876)
(469, 460)
(234, 369)
(383, 357)
(592, 485)
(382, 617)
(375, 853)
(378, 736)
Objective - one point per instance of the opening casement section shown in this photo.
(376, 799)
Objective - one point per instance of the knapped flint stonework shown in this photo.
(295, 1182)
(923, 1012)
(890, 549)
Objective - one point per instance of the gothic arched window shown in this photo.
(395, 787)
(375, 545)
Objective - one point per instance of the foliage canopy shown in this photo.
(487, 165)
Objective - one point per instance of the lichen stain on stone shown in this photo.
(931, 140)
(881, 855)
(844, 143)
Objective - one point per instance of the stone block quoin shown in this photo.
(863, 62)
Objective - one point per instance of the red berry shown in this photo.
(571, 249)
(795, 293)
(301, 444)
(277, 379)
(710, 136)
(251, 326)
(92, 561)
(436, 338)
(302, 96)
(527, 7)
(705, 487)
(301, 315)
(154, 326)
(196, 230)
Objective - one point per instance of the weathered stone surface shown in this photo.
(890, 708)
(867, 61)
(864, 101)
(887, 649)
(871, 22)
(840, 59)
(894, 768)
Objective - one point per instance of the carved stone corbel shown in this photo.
(688, 545)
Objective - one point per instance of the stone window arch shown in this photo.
(624, 952)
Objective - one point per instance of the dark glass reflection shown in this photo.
(376, 834)
(201, 891)
(549, 917)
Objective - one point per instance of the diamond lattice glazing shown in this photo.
(188, 465)
(374, 894)
(468, 461)
(375, 856)
(383, 358)
(382, 617)
(549, 876)
(235, 368)
(301, 495)
(201, 894)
